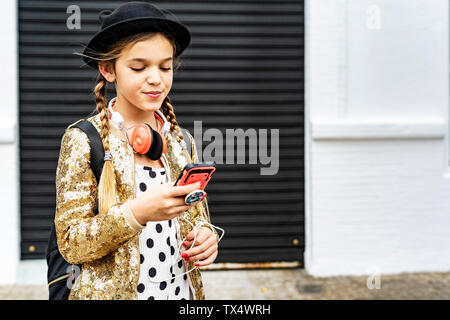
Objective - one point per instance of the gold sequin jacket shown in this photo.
(107, 245)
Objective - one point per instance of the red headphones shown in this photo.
(144, 139)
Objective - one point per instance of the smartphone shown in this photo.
(195, 172)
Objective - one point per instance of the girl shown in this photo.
(130, 249)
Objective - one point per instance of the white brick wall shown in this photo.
(377, 173)
(9, 159)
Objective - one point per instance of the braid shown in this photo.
(167, 110)
(100, 100)
(107, 185)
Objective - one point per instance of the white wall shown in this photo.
(9, 141)
(377, 138)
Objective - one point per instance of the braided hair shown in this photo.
(107, 184)
(167, 110)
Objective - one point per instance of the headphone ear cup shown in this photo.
(163, 143)
(141, 139)
(158, 146)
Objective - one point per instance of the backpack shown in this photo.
(61, 275)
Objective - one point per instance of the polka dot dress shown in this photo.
(158, 249)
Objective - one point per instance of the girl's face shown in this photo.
(146, 66)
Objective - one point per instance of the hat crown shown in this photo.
(131, 18)
(128, 11)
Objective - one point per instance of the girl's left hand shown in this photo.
(204, 251)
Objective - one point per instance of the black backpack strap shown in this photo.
(97, 149)
(57, 272)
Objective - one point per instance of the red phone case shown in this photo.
(195, 172)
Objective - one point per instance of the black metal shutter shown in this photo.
(244, 69)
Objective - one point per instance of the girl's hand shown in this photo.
(162, 202)
(204, 251)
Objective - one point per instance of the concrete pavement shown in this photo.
(293, 284)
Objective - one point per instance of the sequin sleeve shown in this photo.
(83, 236)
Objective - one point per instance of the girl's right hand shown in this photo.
(162, 202)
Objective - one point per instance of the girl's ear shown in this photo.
(107, 71)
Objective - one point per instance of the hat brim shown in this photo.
(108, 36)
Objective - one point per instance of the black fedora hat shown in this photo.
(131, 18)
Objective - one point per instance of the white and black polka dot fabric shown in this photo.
(158, 249)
